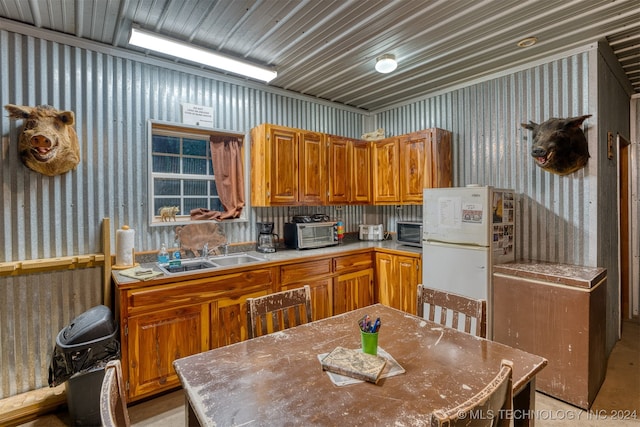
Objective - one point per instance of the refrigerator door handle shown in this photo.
(441, 242)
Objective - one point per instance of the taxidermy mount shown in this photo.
(48, 143)
(559, 145)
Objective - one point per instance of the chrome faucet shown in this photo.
(205, 251)
(225, 249)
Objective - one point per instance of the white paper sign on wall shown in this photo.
(198, 115)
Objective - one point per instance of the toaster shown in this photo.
(371, 232)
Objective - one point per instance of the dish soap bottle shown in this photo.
(163, 254)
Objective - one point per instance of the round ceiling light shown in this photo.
(528, 42)
(386, 63)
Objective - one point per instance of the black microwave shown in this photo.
(409, 233)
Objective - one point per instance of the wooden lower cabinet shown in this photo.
(397, 278)
(168, 320)
(156, 339)
(352, 291)
(229, 315)
(317, 274)
(162, 323)
(353, 284)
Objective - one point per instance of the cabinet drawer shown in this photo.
(194, 291)
(353, 262)
(299, 272)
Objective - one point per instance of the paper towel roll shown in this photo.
(124, 246)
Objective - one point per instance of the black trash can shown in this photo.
(82, 350)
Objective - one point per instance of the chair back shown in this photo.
(113, 406)
(453, 304)
(279, 311)
(492, 406)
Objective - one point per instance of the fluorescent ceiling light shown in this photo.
(386, 63)
(151, 41)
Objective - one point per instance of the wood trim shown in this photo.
(17, 268)
(624, 174)
(106, 273)
(28, 406)
(194, 130)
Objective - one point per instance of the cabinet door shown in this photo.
(229, 319)
(321, 296)
(438, 168)
(155, 340)
(316, 274)
(408, 270)
(361, 172)
(284, 165)
(312, 153)
(412, 155)
(352, 291)
(388, 287)
(386, 167)
(339, 161)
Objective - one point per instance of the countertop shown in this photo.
(280, 256)
(565, 274)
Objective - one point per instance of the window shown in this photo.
(181, 171)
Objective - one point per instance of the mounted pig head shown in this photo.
(48, 143)
(559, 145)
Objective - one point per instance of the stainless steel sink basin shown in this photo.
(234, 259)
(186, 266)
(191, 265)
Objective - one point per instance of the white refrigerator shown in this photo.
(466, 230)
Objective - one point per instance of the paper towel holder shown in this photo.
(133, 255)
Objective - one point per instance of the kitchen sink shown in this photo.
(192, 265)
(186, 266)
(234, 259)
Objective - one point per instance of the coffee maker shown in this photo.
(267, 239)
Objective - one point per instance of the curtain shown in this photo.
(226, 157)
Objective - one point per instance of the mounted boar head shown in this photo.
(559, 145)
(48, 143)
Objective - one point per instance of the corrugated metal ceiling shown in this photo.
(327, 48)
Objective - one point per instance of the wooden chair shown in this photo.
(113, 406)
(457, 305)
(492, 406)
(279, 311)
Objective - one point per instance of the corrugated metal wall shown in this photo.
(567, 219)
(112, 96)
(34, 308)
(491, 148)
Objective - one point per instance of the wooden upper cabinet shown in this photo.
(412, 166)
(361, 172)
(274, 165)
(311, 167)
(296, 167)
(385, 161)
(287, 166)
(403, 166)
(438, 165)
(284, 165)
(338, 166)
(349, 171)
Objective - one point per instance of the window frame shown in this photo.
(182, 130)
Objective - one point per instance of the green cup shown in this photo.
(369, 342)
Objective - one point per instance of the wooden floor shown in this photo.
(615, 405)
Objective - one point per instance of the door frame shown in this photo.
(625, 258)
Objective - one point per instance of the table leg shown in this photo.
(524, 405)
(190, 416)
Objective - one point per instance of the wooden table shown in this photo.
(277, 379)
